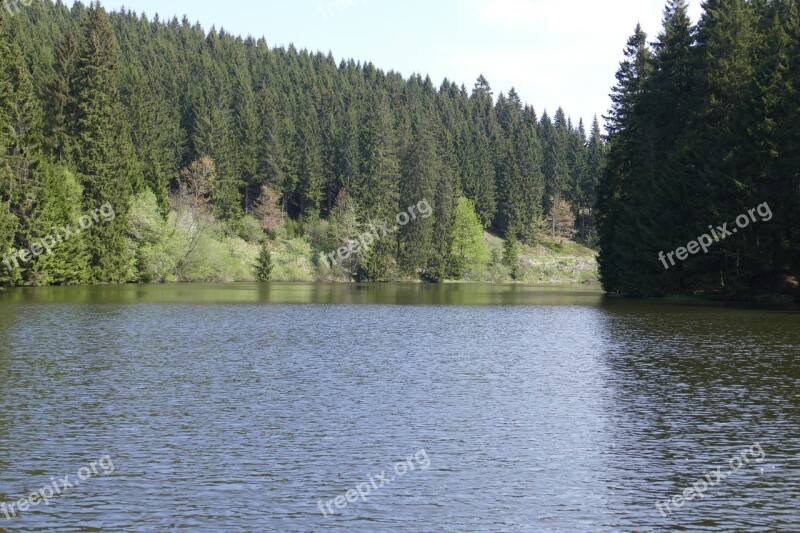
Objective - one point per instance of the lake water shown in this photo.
(487, 408)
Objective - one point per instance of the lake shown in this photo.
(398, 407)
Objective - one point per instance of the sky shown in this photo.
(553, 52)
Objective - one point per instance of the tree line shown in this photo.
(705, 126)
(115, 108)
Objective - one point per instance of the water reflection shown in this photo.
(310, 293)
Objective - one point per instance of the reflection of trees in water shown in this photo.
(693, 385)
(8, 321)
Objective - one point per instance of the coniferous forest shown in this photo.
(705, 127)
(210, 148)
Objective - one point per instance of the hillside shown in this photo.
(199, 140)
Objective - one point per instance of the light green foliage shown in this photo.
(188, 246)
(249, 229)
(468, 247)
(292, 260)
(344, 226)
(57, 205)
(150, 238)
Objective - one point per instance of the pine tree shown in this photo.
(724, 69)
(61, 101)
(482, 189)
(310, 186)
(23, 143)
(377, 175)
(421, 168)
(483, 122)
(596, 153)
(8, 220)
(263, 267)
(154, 114)
(657, 219)
(246, 126)
(529, 149)
(577, 159)
(441, 265)
(20, 145)
(104, 155)
(507, 145)
(786, 265)
(624, 153)
(555, 167)
(511, 253)
(272, 151)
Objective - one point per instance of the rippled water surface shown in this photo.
(249, 407)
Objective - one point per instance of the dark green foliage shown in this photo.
(704, 129)
(596, 158)
(421, 168)
(263, 267)
(61, 102)
(8, 219)
(374, 264)
(104, 154)
(511, 253)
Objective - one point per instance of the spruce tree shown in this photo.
(61, 102)
(555, 166)
(8, 220)
(104, 155)
(311, 185)
(596, 154)
(263, 267)
(421, 169)
(511, 253)
(624, 127)
(724, 69)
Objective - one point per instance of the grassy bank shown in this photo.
(189, 244)
(544, 263)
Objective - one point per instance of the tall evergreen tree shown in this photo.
(61, 103)
(596, 154)
(624, 156)
(421, 169)
(104, 155)
(8, 220)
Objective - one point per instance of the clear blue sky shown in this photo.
(554, 52)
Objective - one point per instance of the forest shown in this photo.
(705, 127)
(214, 152)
